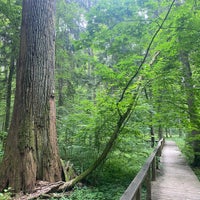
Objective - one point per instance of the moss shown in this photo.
(26, 135)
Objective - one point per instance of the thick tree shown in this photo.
(31, 151)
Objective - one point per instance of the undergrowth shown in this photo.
(111, 180)
(103, 192)
(108, 183)
(6, 194)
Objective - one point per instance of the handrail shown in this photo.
(147, 174)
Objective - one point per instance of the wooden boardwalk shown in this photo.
(176, 180)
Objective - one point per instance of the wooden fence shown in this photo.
(144, 176)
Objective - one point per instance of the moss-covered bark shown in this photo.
(31, 151)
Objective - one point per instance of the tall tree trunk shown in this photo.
(152, 135)
(160, 131)
(31, 151)
(194, 136)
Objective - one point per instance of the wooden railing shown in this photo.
(144, 176)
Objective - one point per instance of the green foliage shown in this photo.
(105, 56)
(10, 14)
(112, 178)
(98, 49)
(86, 193)
(6, 194)
(97, 193)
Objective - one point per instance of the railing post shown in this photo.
(154, 169)
(161, 147)
(138, 194)
(148, 185)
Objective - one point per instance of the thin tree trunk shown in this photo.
(160, 132)
(149, 97)
(9, 93)
(194, 136)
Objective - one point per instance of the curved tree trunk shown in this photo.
(31, 151)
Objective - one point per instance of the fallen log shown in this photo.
(42, 187)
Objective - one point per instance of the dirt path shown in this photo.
(176, 180)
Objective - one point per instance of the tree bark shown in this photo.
(31, 151)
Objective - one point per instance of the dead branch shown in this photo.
(42, 188)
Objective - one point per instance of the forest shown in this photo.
(119, 74)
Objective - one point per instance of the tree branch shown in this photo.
(147, 52)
